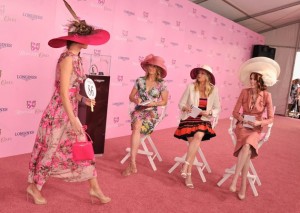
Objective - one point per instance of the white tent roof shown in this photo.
(258, 15)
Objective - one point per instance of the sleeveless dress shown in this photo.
(148, 115)
(52, 150)
(190, 126)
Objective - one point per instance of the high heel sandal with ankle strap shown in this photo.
(189, 185)
(184, 174)
(37, 200)
(103, 199)
(241, 197)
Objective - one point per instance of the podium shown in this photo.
(96, 121)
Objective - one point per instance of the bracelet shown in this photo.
(83, 100)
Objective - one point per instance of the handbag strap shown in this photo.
(85, 128)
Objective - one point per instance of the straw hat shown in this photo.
(80, 32)
(194, 72)
(268, 68)
(157, 61)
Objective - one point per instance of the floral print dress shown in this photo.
(52, 150)
(148, 115)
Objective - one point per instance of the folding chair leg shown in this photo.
(204, 160)
(125, 158)
(179, 160)
(200, 166)
(253, 171)
(252, 179)
(148, 156)
(228, 173)
(154, 148)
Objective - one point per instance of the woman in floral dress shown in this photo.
(152, 90)
(59, 126)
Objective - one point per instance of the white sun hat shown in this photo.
(268, 68)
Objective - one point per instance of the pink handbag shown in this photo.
(83, 150)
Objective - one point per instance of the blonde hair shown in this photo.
(158, 72)
(209, 87)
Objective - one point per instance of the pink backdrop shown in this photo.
(184, 34)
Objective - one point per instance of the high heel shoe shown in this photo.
(241, 197)
(39, 200)
(102, 198)
(131, 169)
(189, 185)
(232, 188)
(182, 173)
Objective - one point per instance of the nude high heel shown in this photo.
(102, 198)
(241, 197)
(189, 185)
(232, 188)
(37, 200)
(184, 174)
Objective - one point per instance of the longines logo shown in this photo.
(3, 109)
(24, 134)
(32, 16)
(166, 23)
(34, 51)
(30, 108)
(129, 13)
(27, 77)
(123, 58)
(118, 104)
(5, 45)
(178, 5)
(141, 38)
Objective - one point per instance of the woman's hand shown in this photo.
(186, 109)
(206, 113)
(77, 126)
(88, 101)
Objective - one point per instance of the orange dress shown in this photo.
(257, 107)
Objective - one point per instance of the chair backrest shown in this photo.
(265, 134)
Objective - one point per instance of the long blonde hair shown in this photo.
(158, 73)
(209, 87)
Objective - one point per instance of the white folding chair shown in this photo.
(153, 153)
(252, 174)
(200, 165)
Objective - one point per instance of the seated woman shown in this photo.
(202, 94)
(258, 73)
(150, 88)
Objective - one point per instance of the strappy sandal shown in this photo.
(189, 185)
(184, 174)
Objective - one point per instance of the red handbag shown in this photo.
(83, 150)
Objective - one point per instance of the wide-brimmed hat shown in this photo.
(194, 72)
(157, 61)
(268, 68)
(80, 32)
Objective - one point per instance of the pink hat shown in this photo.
(157, 61)
(207, 69)
(97, 37)
(80, 32)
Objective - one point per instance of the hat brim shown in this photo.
(267, 67)
(194, 73)
(98, 37)
(164, 70)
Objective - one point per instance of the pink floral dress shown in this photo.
(52, 150)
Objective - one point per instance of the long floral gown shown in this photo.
(148, 115)
(52, 151)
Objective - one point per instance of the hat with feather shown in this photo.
(79, 31)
